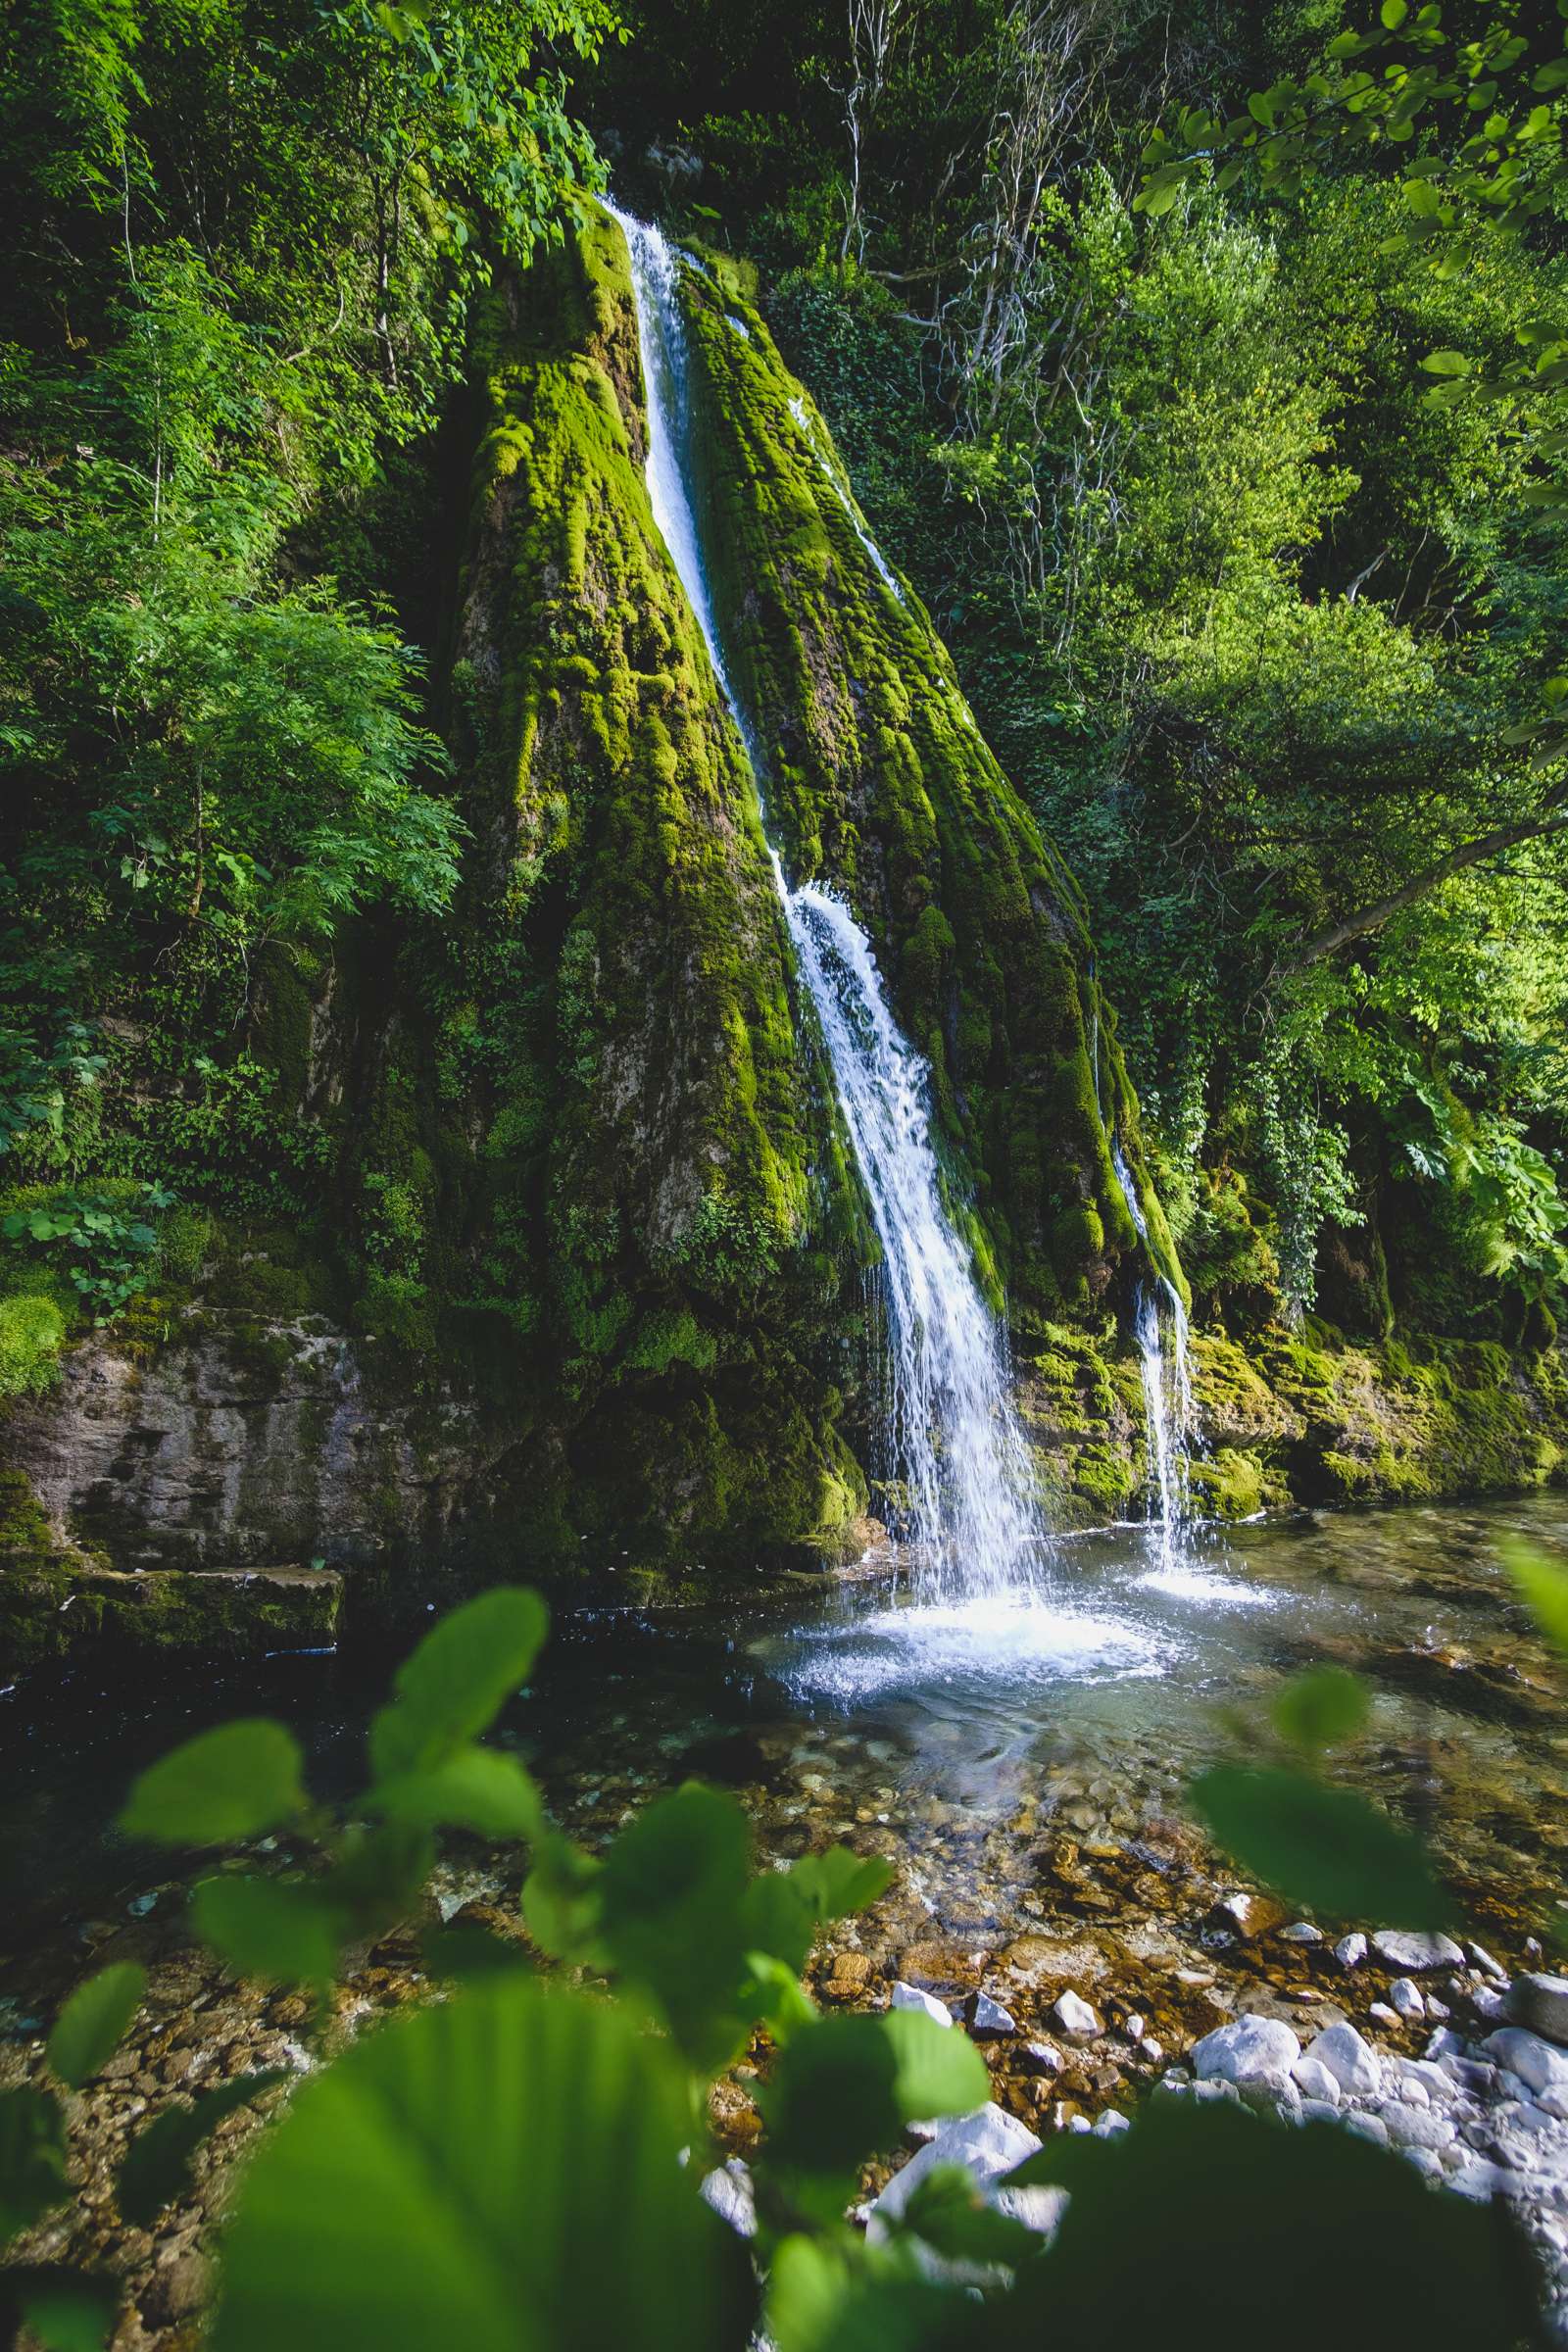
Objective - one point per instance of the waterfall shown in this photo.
(957, 1452)
(1168, 1397)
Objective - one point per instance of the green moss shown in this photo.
(24, 1531)
(33, 1331)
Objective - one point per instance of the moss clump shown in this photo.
(33, 1331)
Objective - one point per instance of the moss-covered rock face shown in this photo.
(649, 1208)
(878, 780)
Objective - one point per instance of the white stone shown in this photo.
(990, 2017)
(1414, 2094)
(1368, 2127)
(1152, 2049)
(1404, 1997)
(1540, 2003)
(1134, 2026)
(1416, 2127)
(1438, 2086)
(1484, 1961)
(1351, 2062)
(1301, 1930)
(1248, 2050)
(1319, 2110)
(1041, 2058)
(1108, 2125)
(924, 2004)
(1426, 2161)
(1478, 2180)
(1538, 2063)
(1402, 1948)
(1436, 2008)
(730, 2193)
(1314, 2082)
(1554, 2100)
(1489, 2003)
(1350, 1950)
(1384, 2014)
(1040, 2208)
(1075, 2017)
(987, 2144)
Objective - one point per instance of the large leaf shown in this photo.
(1321, 1708)
(233, 1783)
(33, 2159)
(270, 1928)
(1188, 2226)
(561, 1898)
(461, 1673)
(503, 2173)
(477, 1788)
(671, 1915)
(786, 1909)
(1324, 1847)
(828, 2296)
(89, 2029)
(845, 2089)
(157, 2168)
(1544, 1584)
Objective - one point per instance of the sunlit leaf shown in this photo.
(89, 2029)
(1324, 1847)
(785, 1910)
(236, 1782)
(464, 1670)
(672, 1899)
(502, 2172)
(269, 1928)
(1321, 1708)
(845, 2090)
(477, 1788)
(1544, 1584)
(561, 1898)
(827, 2296)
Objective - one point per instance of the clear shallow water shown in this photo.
(953, 1738)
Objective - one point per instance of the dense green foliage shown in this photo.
(251, 237)
(1252, 623)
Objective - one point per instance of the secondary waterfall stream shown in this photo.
(1167, 1396)
(959, 1466)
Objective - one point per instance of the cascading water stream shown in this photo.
(1167, 1397)
(957, 1452)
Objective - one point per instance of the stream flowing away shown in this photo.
(959, 1466)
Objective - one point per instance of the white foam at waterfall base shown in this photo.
(1016, 1639)
(955, 1445)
